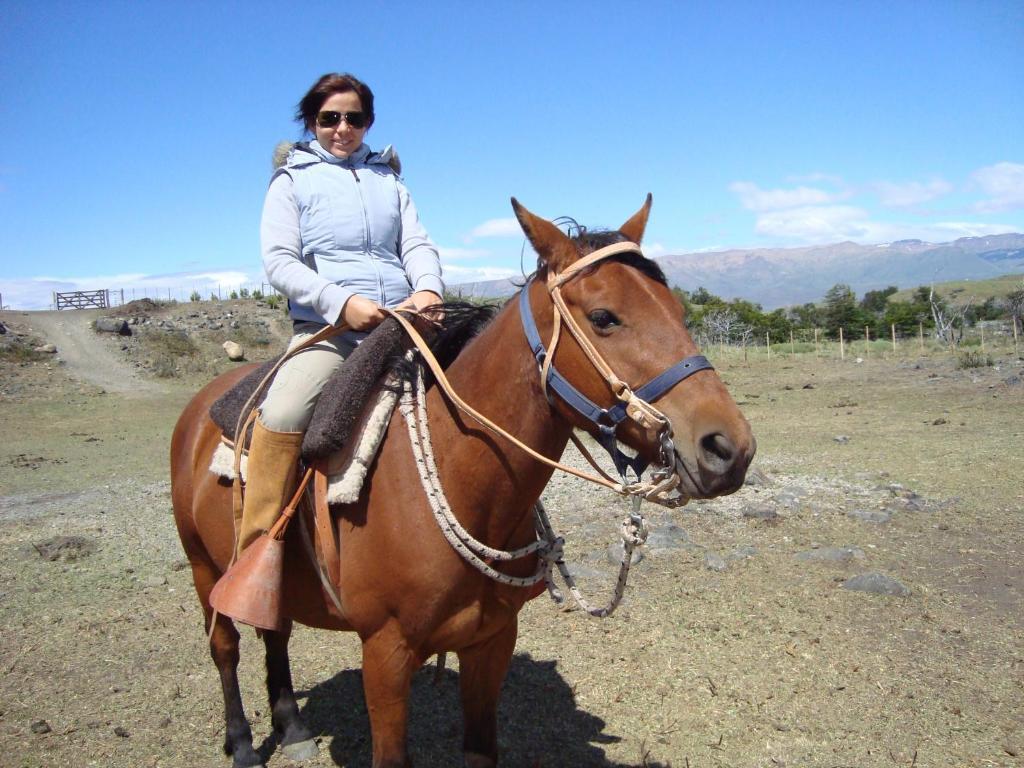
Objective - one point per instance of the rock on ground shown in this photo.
(877, 584)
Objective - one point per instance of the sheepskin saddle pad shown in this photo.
(342, 400)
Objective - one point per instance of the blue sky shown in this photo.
(139, 134)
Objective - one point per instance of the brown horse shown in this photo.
(404, 589)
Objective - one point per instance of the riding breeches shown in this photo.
(289, 403)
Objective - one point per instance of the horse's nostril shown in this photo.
(718, 449)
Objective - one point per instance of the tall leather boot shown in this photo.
(270, 480)
(250, 590)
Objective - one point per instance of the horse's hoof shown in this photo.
(301, 750)
(476, 760)
(244, 757)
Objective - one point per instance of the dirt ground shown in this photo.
(737, 645)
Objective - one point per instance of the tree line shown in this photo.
(715, 320)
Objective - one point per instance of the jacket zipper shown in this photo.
(366, 239)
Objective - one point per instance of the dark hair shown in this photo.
(327, 86)
(590, 240)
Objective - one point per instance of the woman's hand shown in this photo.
(361, 314)
(429, 304)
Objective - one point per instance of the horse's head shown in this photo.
(613, 330)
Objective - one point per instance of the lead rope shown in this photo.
(646, 489)
(549, 546)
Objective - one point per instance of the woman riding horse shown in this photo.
(407, 592)
(341, 239)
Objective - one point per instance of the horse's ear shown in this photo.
(634, 228)
(550, 243)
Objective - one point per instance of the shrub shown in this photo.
(273, 301)
(243, 293)
(194, 296)
(20, 353)
(170, 352)
(234, 295)
(248, 336)
(798, 347)
(257, 294)
(973, 360)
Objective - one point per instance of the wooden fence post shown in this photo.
(1016, 350)
(867, 341)
(768, 344)
(792, 344)
(920, 334)
(894, 338)
(982, 328)
(842, 346)
(817, 351)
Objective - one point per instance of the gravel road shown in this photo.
(86, 357)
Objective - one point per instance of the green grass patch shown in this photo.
(20, 353)
(975, 290)
(172, 353)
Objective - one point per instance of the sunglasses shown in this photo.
(328, 119)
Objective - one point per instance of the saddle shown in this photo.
(342, 400)
(343, 438)
(338, 448)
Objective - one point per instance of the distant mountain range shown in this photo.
(778, 277)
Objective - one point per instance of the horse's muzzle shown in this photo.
(718, 466)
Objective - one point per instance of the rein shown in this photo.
(633, 405)
(548, 546)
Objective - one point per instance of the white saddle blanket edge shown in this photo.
(342, 487)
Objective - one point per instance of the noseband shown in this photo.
(634, 405)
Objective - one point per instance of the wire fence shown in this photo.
(184, 293)
(989, 338)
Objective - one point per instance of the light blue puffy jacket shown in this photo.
(333, 227)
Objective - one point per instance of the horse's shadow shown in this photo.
(539, 723)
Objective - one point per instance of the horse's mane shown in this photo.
(464, 320)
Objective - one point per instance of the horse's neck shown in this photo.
(497, 482)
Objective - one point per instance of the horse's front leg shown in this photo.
(482, 669)
(224, 651)
(388, 666)
(297, 742)
(238, 734)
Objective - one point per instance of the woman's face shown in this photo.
(341, 140)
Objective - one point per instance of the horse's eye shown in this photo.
(602, 319)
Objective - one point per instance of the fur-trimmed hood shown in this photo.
(298, 153)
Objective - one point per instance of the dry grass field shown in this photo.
(738, 644)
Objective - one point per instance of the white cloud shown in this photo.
(911, 193)
(1004, 185)
(817, 178)
(461, 254)
(944, 231)
(454, 275)
(37, 292)
(756, 199)
(496, 228)
(814, 224)
(31, 293)
(832, 224)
